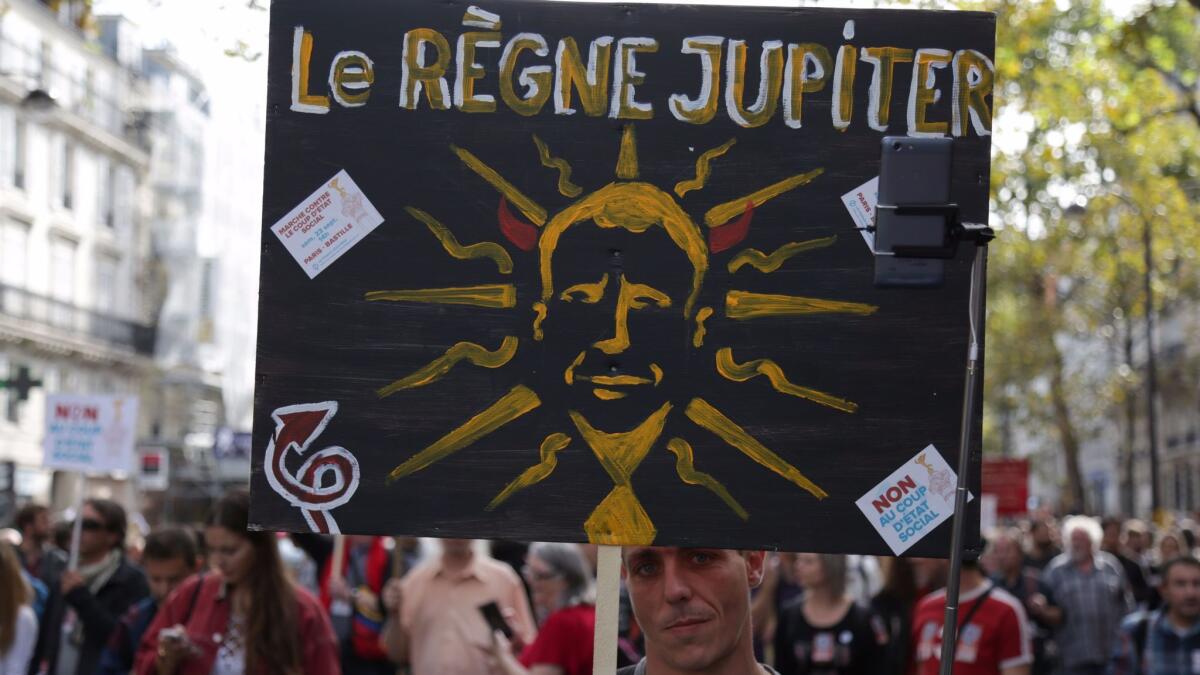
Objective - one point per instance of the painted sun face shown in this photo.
(618, 264)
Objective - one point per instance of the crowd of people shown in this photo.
(1080, 597)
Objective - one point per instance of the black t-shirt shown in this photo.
(852, 646)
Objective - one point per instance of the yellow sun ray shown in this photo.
(749, 370)
(565, 186)
(517, 402)
(487, 249)
(539, 308)
(746, 305)
(536, 473)
(702, 168)
(723, 213)
(535, 213)
(708, 417)
(499, 296)
(436, 369)
(685, 467)
(701, 331)
(769, 263)
(627, 161)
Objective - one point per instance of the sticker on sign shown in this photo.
(860, 202)
(912, 501)
(327, 224)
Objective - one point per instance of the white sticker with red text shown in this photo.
(860, 202)
(327, 224)
(912, 501)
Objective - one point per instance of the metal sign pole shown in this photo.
(975, 318)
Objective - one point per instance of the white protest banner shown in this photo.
(90, 433)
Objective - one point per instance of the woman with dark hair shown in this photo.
(249, 619)
(893, 606)
(560, 581)
(825, 632)
(18, 623)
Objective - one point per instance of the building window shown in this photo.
(62, 269)
(68, 175)
(106, 284)
(19, 153)
(14, 253)
(104, 197)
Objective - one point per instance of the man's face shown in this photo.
(616, 295)
(95, 537)
(39, 529)
(1040, 534)
(1008, 554)
(1081, 544)
(1112, 538)
(1135, 541)
(1181, 590)
(165, 575)
(693, 604)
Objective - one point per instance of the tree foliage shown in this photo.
(1097, 140)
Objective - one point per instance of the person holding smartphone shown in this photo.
(564, 601)
(248, 619)
(435, 623)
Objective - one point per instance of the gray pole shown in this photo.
(975, 318)
(1151, 370)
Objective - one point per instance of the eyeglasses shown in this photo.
(93, 525)
(536, 575)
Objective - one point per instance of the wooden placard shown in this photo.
(608, 289)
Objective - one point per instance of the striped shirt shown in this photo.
(1150, 645)
(1093, 604)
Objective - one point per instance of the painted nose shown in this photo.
(619, 341)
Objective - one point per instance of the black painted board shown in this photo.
(321, 339)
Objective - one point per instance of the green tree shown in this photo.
(1097, 142)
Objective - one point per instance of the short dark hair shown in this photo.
(1109, 521)
(113, 515)
(1185, 560)
(27, 514)
(170, 543)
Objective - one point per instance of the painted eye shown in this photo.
(523, 235)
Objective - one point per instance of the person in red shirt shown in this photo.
(560, 581)
(250, 619)
(993, 635)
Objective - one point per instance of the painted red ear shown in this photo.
(731, 234)
(523, 235)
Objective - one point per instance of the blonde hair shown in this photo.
(14, 593)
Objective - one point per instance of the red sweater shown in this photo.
(209, 617)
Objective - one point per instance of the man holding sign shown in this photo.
(86, 603)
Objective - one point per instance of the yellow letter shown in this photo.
(350, 78)
(974, 75)
(535, 79)
(302, 101)
(798, 80)
(465, 98)
(704, 107)
(627, 76)
(884, 59)
(590, 82)
(416, 75)
(770, 79)
(924, 92)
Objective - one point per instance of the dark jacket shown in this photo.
(99, 614)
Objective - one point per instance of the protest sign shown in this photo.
(612, 293)
(90, 433)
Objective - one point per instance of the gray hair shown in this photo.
(567, 561)
(1089, 525)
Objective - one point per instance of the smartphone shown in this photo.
(912, 172)
(495, 619)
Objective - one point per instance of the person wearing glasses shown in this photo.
(85, 604)
(563, 591)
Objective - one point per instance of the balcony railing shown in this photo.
(76, 321)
